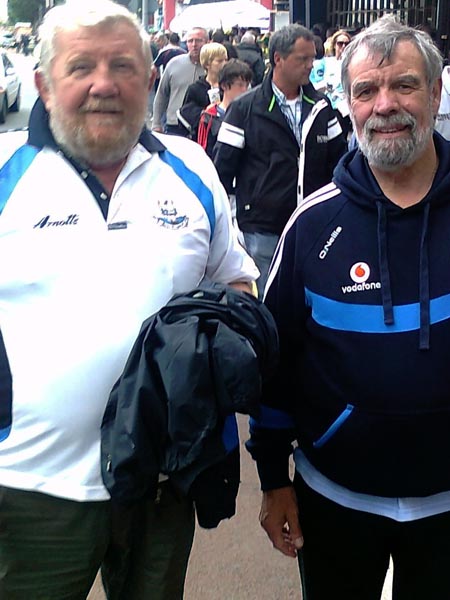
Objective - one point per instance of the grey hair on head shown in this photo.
(283, 40)
(381, 39)
(77, 14)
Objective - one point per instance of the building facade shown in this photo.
(354, 14)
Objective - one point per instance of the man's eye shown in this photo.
(80, 68)
(123, 66)
(365, 93)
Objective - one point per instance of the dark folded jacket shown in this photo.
(195, 363)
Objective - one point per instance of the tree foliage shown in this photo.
(24, 10)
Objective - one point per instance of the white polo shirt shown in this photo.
(75, 288)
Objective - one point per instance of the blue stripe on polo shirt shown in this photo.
(194, 183)
(13, 170)
(368, 318)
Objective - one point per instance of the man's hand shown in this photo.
(279, 519)
(157, 129)
(242, 286)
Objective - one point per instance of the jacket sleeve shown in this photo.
(272, 434)
(191, 109)
(258, 71)
(159, 59)
(230, 143)
(337, 144)
(228, 262)
(161, 99)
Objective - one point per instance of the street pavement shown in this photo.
(236, 561)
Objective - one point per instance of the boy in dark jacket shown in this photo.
(234, 80)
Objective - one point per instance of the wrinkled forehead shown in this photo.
(121, 30)
(196, 34)
(401, 57)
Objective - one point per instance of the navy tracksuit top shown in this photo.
(360, 291)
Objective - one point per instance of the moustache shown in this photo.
(105, 106)
(397, 120)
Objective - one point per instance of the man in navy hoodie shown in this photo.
(360, 290)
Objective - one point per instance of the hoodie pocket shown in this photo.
(334, 427)
(385, 454)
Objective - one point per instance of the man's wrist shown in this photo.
(273, 475)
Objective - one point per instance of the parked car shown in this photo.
(7, 40)
(10, 141)
(9, 87)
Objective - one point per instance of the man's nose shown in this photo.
(386, 101)
(103, 82)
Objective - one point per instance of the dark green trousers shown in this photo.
(52, 548)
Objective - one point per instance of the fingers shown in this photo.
(279, 518)
(279, 536)
(294, 539)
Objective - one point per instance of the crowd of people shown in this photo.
(151, 290)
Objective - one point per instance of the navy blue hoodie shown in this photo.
(360, 291)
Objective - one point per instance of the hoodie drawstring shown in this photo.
(424, 284)
(386, 294)
(424, 279)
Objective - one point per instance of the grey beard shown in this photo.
(73, 141)
(389, 155)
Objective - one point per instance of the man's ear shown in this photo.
(436, 96)
(276, 57)
(42, 88)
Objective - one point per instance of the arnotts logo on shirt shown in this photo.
(360, 273)
(322, 139)
(47, 222)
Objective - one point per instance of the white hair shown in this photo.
(248, 38)
(76, 14)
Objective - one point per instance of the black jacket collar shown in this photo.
(308, 90)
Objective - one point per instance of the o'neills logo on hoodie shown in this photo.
(360, 273)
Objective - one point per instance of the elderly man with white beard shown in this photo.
(90, 251)
(360, 291)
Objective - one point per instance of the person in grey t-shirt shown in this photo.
(177, 77)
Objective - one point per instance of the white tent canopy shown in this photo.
(215, 15)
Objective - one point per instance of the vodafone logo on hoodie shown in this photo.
(359, 274)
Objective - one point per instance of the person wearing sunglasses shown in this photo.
(330, 82)
(340, 40)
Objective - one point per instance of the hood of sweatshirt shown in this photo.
(355, 179)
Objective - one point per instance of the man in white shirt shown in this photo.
(102, 223)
